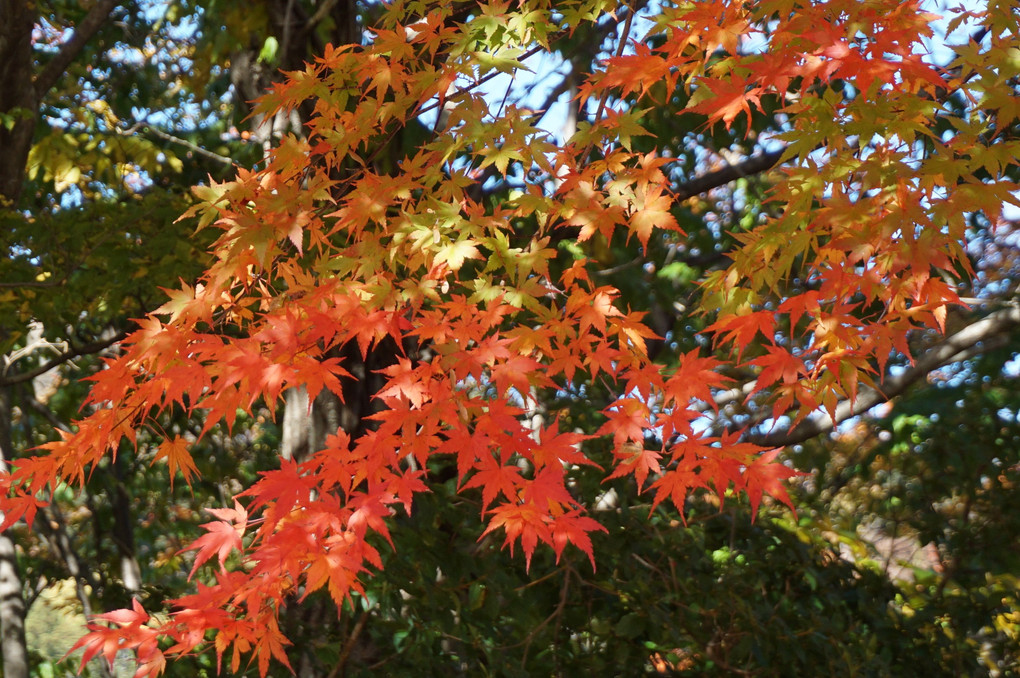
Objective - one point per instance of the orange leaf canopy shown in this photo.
(326, 247)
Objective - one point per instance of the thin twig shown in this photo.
(359, 626)
(564, 590)
(222, 159)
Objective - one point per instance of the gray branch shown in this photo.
(222, 159)
(973, 340)
(74, 352)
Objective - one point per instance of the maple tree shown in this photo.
(331, 250)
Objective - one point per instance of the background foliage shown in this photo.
(901, 559)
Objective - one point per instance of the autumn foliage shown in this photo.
(326, 247)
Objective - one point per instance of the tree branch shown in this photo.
(706, 182)
(46, 413)
(320, 13)
(75, 352)
(222, 159)
(88, 27)
(962, 345)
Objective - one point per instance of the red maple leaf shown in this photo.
(765, 475)
(636, 460)
(222, 536)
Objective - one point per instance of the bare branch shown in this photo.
(222, 159)
(88, 27)
(321, 13)
(706, 182)
(74, 352)
(732, 395)
(46, 413)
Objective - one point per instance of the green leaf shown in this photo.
(268, 52)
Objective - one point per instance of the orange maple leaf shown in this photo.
(727, 98)
(520, 521)
(175, 451)
(651, 212)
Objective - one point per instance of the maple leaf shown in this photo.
(707, 461)
(404, 381)
(517, 372)
(520, 521)
(18, 506)
(798, 305)
(548, 489)
(495, 479)
(741, 329)
(180, 301)
(277, 492)
(765, 475)
(695, 377)
(315, 375)
(560, 449)
(295, 231)
(336, 567)
(635, 331)
(270, 644)
(500, 156)
(778, 365)
(455, 253)
(467, 446)
(370, 510)
(593, 311)
(726, 98)
(651, 212)
(627, 420)
(637, 72)
(636, 460)
(178, 458)
(222, 536)
(675, 484)
(573, 528)
(128, 633)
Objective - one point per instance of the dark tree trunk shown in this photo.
(17, 95)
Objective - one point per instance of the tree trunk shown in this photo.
(12, 613)
(13, 649)
(17, 95)
(124, 528)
